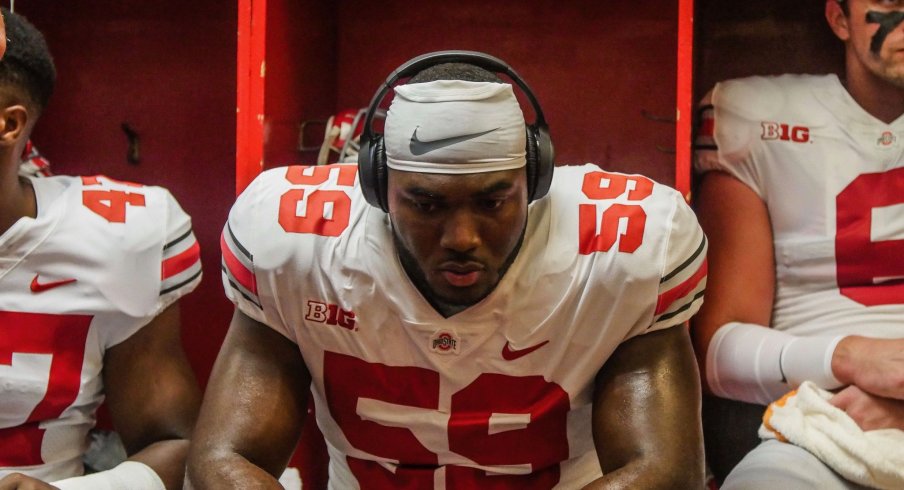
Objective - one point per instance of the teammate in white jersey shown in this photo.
(465, 339)
(802, 195)
(90, 273)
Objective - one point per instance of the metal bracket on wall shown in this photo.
(133, 154)
(660, 119)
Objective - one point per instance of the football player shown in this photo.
(452, 334)
(801, 195)
(91, 270)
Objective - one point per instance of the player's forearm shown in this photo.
(167, 459)
(159, 466)
(228, 470)
(650, 475)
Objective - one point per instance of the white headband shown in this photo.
(454, 127)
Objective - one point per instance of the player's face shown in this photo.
(459, 232)
(876, 30)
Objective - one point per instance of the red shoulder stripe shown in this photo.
(238, 270)
(665, 300)
(181, 262)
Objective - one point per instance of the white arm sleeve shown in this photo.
(757, 364)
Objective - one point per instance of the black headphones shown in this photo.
(372, 156)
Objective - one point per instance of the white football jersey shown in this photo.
(101, 259)
(498, 394)
(831, 176)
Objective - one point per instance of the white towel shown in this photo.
(805, 418)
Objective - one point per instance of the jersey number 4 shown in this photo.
(38, 348)
(107, 203)
(869, 243)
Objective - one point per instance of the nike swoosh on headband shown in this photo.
(419, 147)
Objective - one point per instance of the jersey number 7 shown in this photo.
(61, 338)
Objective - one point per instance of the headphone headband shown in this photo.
(539, 152)
(415, 65)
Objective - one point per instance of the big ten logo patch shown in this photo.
(444, 342)
(330, 314)
(784, 132)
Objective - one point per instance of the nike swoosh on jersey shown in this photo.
(510, 354)
(419, 147)
(40, 287)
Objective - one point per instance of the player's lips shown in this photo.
(461, 274)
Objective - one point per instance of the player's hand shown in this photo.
(18, 481)
(874, 365)
(871, 412)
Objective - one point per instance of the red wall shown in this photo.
(594, 65)
(168, 68)
(301, 76)
(596, 68)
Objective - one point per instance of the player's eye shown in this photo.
(491, 204)
(423, 206)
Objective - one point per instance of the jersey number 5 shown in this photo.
(62, 339)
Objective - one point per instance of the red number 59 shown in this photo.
(604, 185)
(314, 219)
(538, 444)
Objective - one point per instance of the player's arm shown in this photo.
(646, 414)
(153, 396)
(253, 410)
(741, 277)
(153, 399)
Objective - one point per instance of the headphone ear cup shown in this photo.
(531, 166)
(371, 170)
(545, 161)
(380, 172)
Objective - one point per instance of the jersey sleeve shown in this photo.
(248, 235)
(180, 267)
(728, 131)
(683, 277)
(152, 257)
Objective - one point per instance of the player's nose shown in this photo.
(460, 232)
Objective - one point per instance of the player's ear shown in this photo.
(13, 121)
(837, 20)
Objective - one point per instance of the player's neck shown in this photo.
(880, 98)
(17, 198)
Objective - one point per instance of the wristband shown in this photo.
(129, 474)
(810, 359)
